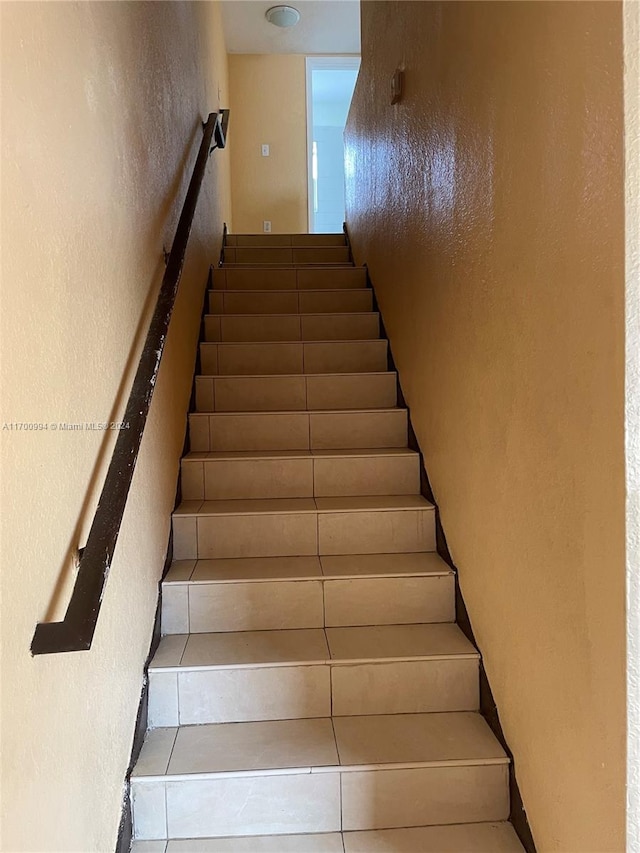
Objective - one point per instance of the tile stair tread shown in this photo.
(313, 412)
(307, 646)
(257, 506)
(311, 246)
(336, 744)
(328, 268)
(288, 344)
(304, 314)
(365, 373)
(345, 265)
(309, 412)
(257, 569)
(300, 264)
(453, 838)
(285, 290)
(339, 233)
(266, 243)
(225, 455)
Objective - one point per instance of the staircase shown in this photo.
(312, 692)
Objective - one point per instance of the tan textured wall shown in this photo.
(632, 382)
(489, 207)
(268, 93)
(101, 111)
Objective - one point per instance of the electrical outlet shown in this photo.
(266, 226)
(265, 150)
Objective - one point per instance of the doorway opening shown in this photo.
(330, 84)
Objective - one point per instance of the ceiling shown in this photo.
(326, 26)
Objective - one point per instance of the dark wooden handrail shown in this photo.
(75, 632)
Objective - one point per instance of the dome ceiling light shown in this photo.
(282, 16)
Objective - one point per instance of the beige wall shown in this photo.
(268, 93)
(101, 111)
(489, 207)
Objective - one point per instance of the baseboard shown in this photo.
(125, 829)
(488, 707)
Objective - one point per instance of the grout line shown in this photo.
(324, 605)
(202, 476)
(166, 815)
(335, 739)
(341, 797)
(173, 746)
(179, 722)
(182, 653)
(330, 678)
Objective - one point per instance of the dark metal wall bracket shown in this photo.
(75, 632)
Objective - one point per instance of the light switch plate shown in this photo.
(265, 150)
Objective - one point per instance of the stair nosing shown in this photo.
(289, 375)
(288, 664)
(288, 343)
(425, 506)
(321, 578)
(327, 768)
(247, 290)
(279, 314)
(346, 265)
(298, 265)
(264, 455)
(301, 412)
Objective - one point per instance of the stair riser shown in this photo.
(286, 255)
(291, 302)
(293, 358)
(319, 802)
(298, 431)
(294, 327)
(269, 278)
(302, 534)
(272, 605)
(285, 240)
(296, 692)
(296, 393)
(299, 478)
